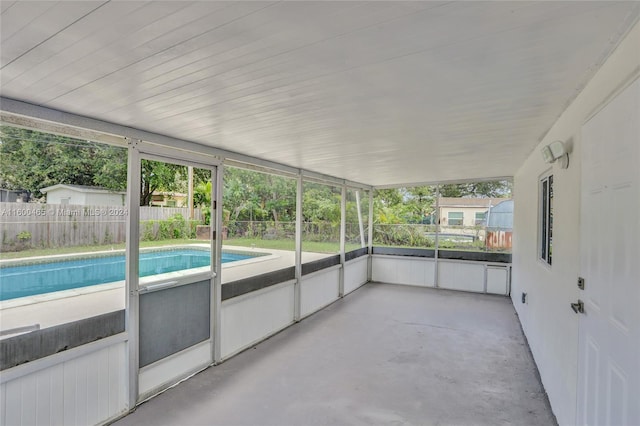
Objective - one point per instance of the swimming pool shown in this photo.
(40, 278)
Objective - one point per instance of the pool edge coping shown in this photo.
(259, 255)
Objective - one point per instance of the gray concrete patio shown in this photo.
(382, 355)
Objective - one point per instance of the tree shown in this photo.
(250, 195)
(321, 203)
(159, 176)
(420, 201)
(111, 170)
(280, 198)
(388, 197)
(488, 189)
(202, 198)
(202, 194)
(414, 204)
(33, 160)
(404, 205)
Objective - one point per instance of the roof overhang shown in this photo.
(383, 93)
(76, 188)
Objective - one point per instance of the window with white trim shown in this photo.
(546, 219)
(455, 218)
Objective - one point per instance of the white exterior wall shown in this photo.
(167, 371)
(80, 198)
(469, 214)
(479, 277)
(87, 389)
(113, 199)
(250, 318)
(319, 289)
(550, 325)
(465, 276)
(355, 274)
(56, 195)
(403, 270)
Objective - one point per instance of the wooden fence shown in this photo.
(24, 225)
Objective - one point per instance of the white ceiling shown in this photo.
(375, 92)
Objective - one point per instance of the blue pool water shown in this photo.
(28, 280)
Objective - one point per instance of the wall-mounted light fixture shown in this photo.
(556, 151)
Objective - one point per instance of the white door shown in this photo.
(174, 295)
(609, 364)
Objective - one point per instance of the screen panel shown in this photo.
(172, 320)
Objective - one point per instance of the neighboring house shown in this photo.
(500, 226)
(83, 195)
(466, 211)
(14, 196)
(168, 199)
(501, 216)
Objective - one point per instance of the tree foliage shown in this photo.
(254, 196)
(33, 160)
(160, 176)
(487, 189)
(417, 204)
(250, 196)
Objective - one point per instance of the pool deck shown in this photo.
(47, 310)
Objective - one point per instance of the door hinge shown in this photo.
(581, 283)
(213, 237)
(215, 205)
(578, 307)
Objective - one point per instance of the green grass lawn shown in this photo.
(87, 249)
(316, 247)
(311, 246)
(461, 248)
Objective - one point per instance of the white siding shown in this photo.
(252, 317)
(167, 371)
(319, 289)
(55, 196)
(86, 390)
(466, 276)
(549, 323)
(403, 270)
(95, 199)
(461, 275)
(355, 274)
(498, 280)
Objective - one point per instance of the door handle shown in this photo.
(578, 307)
(156, 287)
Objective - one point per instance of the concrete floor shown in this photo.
(386, 355)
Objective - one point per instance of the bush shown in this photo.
(174, 228)
(21, 242)
(206, 215)
(148, 230)
(24, 236)
(407, 235)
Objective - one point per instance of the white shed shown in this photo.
(83, 195)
